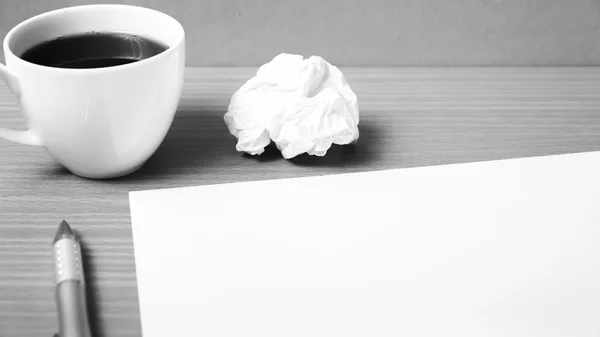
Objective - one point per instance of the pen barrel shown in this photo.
(72, 309)
(70, 288)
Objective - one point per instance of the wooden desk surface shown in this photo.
(409, 117)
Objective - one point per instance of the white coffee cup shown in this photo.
(103, 122)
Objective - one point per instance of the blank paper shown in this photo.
(499, 248)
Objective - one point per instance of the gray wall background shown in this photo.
(372, 33)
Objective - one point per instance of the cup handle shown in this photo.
(22, 137)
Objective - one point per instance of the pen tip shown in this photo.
(64, 230)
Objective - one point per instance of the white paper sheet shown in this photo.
(502, 248)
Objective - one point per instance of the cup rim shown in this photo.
(83, 71)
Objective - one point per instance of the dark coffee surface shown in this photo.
(93, 50)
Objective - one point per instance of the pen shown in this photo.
(70, 284)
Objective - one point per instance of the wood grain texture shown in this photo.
(409, 117)
(372, 33)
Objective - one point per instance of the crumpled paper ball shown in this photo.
(302, 105)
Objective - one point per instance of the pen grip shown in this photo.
(72, 311)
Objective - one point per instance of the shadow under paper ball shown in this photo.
(363, 152)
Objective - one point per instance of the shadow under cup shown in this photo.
(98, 122)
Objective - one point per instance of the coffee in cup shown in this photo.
(93, 50)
